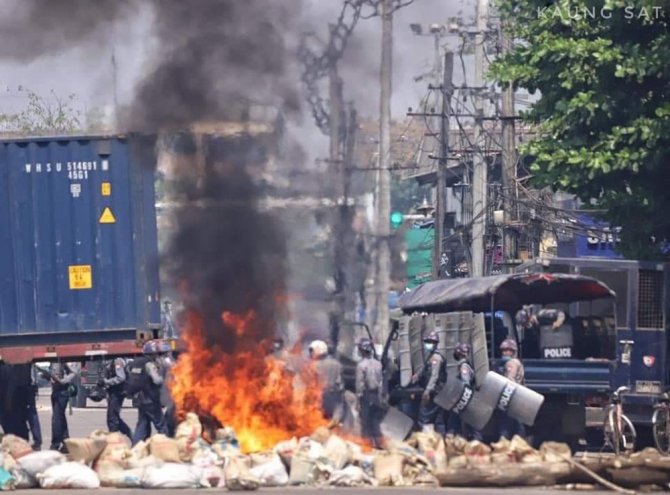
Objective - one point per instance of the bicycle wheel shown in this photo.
(610, 431)
(659, 428)
(619, 439)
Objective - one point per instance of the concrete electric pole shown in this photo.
(509, 158)
(441, 182)
(480, 166)
(383, 202)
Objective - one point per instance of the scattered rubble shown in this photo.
(324, 459)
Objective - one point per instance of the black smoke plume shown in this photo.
(219, 58)
(30, 29)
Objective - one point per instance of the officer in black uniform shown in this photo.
(114, 382)
(466, 374)
(431, 379)
(62, 375)
(144, 386)
(369, 390)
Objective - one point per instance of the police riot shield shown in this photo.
(404, 357)
(556, 343)
(396, 425)
(516, 400)
(410, 347)
(461, 327)
(460, 399)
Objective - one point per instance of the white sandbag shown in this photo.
(226, 443)
(38, 462)
(337, 451)
(23, 480)
(205, 457)
(187, 436)
(127, 478)
(310, 449)
(286, 449)
(351, 476)
(302, 470)
(214, 476)
(145, 462)
(172, 475)
(69, 475)
(271, 473)
(238, 475)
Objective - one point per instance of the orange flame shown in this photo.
(253, 394)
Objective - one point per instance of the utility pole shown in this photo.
(383, 203)
(508, 162)
(441, 183)
(480, 167)
(337, 313)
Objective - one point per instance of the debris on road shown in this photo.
(323, 459)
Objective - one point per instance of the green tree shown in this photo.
(603, 118)
(44, 115)
(407, 194)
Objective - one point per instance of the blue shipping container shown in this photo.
(78, 240)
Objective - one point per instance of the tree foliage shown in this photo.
(44, 115)
(603, 117)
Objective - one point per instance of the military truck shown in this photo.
(570, 365)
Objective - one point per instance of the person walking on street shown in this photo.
(114, 383)
(33, 418)
(431, 379)
(329, 372)
(466, 374)
(144, 386)
(62, 375)
(513, 370)
(369, 390)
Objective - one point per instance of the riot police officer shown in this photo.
(369, 390)
(114, 383)
(513, 370)
(466, 374)
(61, 375)
(329, 372)
(431, 378)
(144, 385)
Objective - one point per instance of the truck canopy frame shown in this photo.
(504, 292)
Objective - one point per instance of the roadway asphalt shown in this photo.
(84, 421)
(349, 491)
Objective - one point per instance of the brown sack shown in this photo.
(85, 450)
(164, 448)
(17, 447)
(388, 469)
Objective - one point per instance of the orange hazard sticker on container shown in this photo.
(80, 277)
(106, 188)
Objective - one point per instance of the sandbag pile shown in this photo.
(323, 459)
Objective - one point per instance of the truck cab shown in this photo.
(635, 340)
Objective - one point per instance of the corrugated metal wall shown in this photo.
(78, 242)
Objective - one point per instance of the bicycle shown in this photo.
(660, 424)
(618, 430)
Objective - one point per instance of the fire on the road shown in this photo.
(245, 390)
